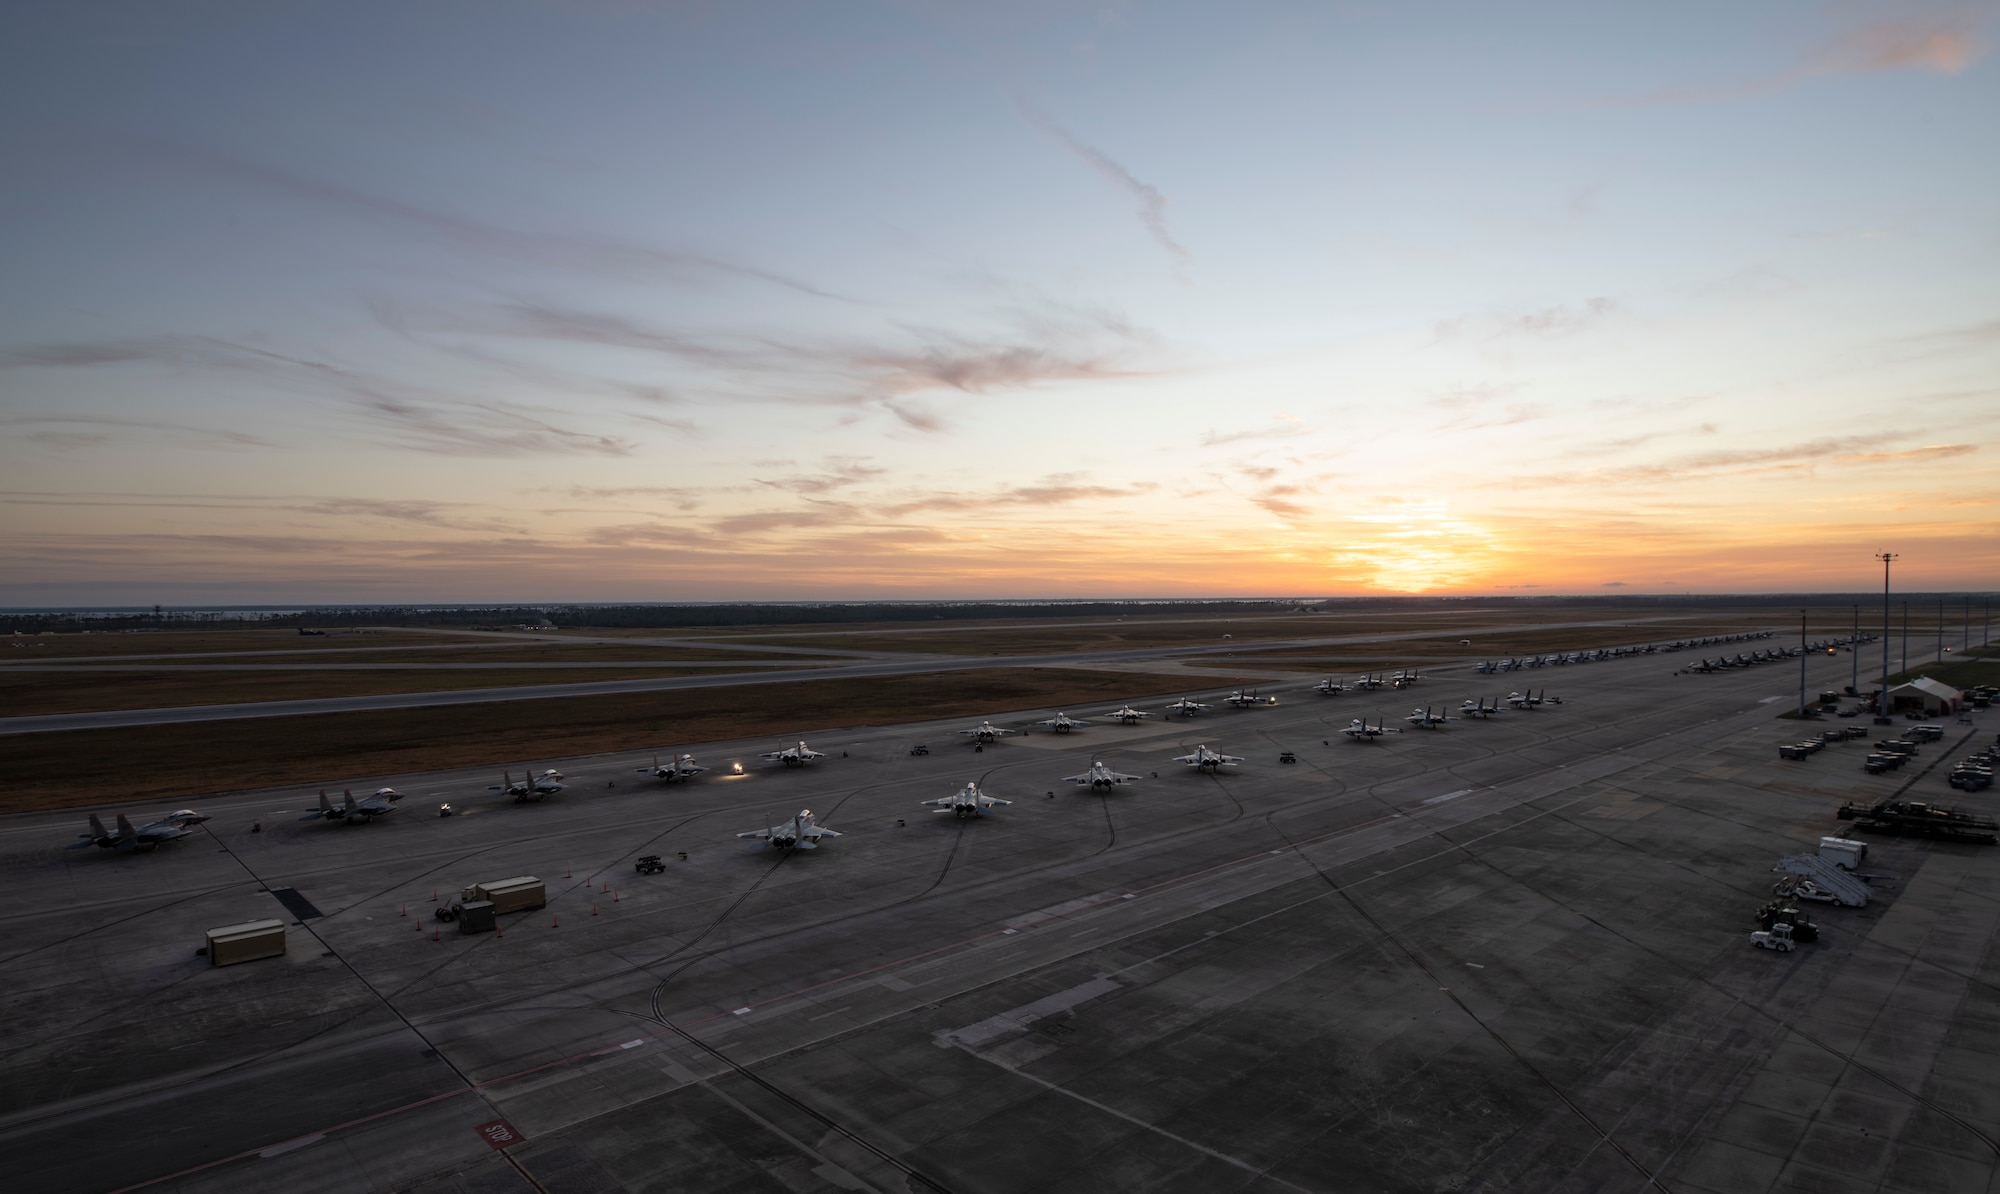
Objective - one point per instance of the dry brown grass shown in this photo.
(66, 645)
(26, 694)
(177, 762)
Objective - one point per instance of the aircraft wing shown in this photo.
(773, 755)
(759, 833)
(993, 800)
(1085, 778)
(1190, 760)
(1229, 758)
(816, 832)
(940, 802)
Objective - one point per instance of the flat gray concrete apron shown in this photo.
(1504, 956)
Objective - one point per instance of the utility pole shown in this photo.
(1882, 699)
(1802, 663)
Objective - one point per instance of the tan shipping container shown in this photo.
(519, 894)
(246, 942)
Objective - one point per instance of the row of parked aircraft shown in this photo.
(1772, 655)
(1563, 658)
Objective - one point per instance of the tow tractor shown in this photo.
(1778, 937)
(649, 864)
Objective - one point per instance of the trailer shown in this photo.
(522, 893)
(1920, 819)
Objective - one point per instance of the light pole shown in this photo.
(1940, 657)
(1802, 663)
(1882, 697)
(1854, 650)
(1905, 656)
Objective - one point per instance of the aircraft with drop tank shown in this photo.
(674, 770)
(1127, 714)
(1330, 687)
(1359, 730)
(797, 833)
(354, 812)
(1424, 719)
(1100, 776)
(968, 801)
(985, 732)
(1479, 708)
(1063, 723)
(793, 756)
(1249, 700)
(166, 829)
(1204, 759)
(1186, 707)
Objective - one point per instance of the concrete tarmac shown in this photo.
(1508, 955)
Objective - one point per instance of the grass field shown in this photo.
(25, 694)
(31, 647)
(177, 762)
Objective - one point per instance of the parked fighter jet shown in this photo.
(1424, 719)
(1204, 759)
(1248, 700)
(968, 801)
(798, 833)
(793, 756)
(165, 829)
(530, 786)
(352, 811)
(1367, 681)
(1531, 699)
(674, 770)
(1100, 776)
(1479, 708)
(1360, 731)
(985, 732)
(1403, 679)
(1186, 706)
(1329, 687)
(1127, 714)
(1063, 723)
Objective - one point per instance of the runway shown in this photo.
(1506, 955)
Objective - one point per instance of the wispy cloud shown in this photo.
(1545, 322)
(1288, 427)
(838, 473)
(425, 422)
(1941, 45)
(1151, 203)
(1946, 46)
(62, 432)
(601, 255)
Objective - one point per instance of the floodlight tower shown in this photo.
(1802, 663)
(1882, 700)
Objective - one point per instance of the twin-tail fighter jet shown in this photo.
(1330, 687)
(1424, 719)
(985, 732)
(674, 770)
(1242, 699)
(1360, 731)
(1204, 759)
(1532, 699)
(1186, 707)
(1126, 714)
(793, 756)
(1478, 708)
(1100, 776)
(797, 833)
(530, 786)
(166, 829)
(1367, 681)
(1403, 679)
(354, 812)
(968, 801)
(1063, 723)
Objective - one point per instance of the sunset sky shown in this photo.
(615, 300)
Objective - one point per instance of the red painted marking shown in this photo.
(498, 1133)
